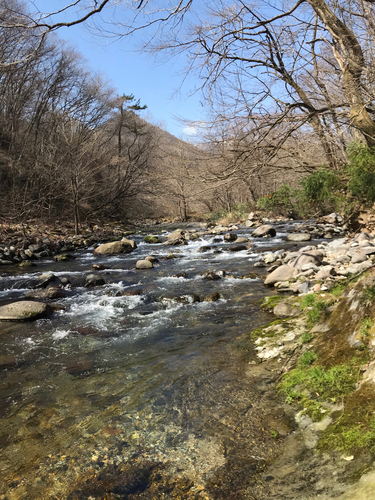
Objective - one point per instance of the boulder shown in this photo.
(132, 243)
(325, 272)
(63, 257)
(151, 258)
(144, 264)
(264, 231)
(176, 235)
(48, 294)
(114, 247)
(45, 279)
(241, 239)
(25, 310)
(94, 280)
(151, 239)
(237, 248)
(312, 257)
(230, 237)
(298, 237)
(213, 297)
(282, 273)
(286, 310)
(213, 275)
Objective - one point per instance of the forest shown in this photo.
(290, 128)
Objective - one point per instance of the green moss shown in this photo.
(307, 301)
(268, 303)
(260, 332)
(325, 384)
(354, 429)
(313, 409)
(314, 307)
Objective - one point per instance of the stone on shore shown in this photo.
(282, 273)
(114, 247)
(25, 310)
(298, 237)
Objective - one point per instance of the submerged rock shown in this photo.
(50, 293)
(94, 280)
(151, 239)
(25, 310)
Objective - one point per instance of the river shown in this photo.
(128, 392)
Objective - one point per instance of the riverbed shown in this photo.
(137, 389)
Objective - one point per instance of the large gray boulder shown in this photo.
(144, 264)
(114, 247)
(282, 273)
(311, 257)
(264, 231)
(25, 310)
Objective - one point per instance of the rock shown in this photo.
(205, 248)
(242, 239)
(312, 257)
(213, 297)
(81, 366)
(189, 298)
(298, 237)
(114, 247)
(175, 242)
(50, 293)
(286, 310)
(269, 258)
(264, 231)
(94, 280)
(25, 310)
(132, 243)
(45, 280)
(65, 281)
(99, 267)
(177, 234)
(237, 248)
(63, 257)
(213, 275)
(230, 237)
(26, 263)
(144, 264)
(151, 258)
(250, 223)
(151, 239)
(358, 257)
(282, 273)
(325, 272)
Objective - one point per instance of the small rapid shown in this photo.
(143, 371)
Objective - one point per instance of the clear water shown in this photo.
(116, 381)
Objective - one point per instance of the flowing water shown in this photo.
(134, 389)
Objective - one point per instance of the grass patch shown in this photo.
(365, 327)
(306, 337)
(307, 358)
(322, 383)
(314, 307)
(368, 294)
(337, 290)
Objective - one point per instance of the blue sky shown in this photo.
(156, 84)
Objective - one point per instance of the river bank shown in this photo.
(142, 388)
